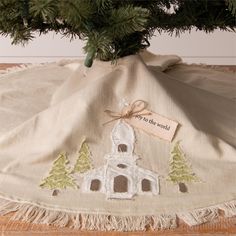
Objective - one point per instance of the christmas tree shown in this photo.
(83, 162)
(180, 171)
(59, 177)
(113, 28)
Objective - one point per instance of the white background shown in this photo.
(198, 47)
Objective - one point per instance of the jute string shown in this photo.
(136, 108)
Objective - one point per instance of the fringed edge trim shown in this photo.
(73, 65)
(30, 213)
(19, 68)
(107, 222)
(220, 68)
(70, 63)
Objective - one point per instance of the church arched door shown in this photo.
(120, 184)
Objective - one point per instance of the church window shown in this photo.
(122, 148)
(146, 185)
(95, 185)
(122, 166)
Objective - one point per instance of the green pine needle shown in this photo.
(112, 28)
(232, 6)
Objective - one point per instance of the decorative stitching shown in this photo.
(180, 170)
(120, 177)
(60, 176)
(83, 163)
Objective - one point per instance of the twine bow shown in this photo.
(136, 108)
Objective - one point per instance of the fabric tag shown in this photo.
(154, 124)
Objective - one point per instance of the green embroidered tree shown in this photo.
(180, 170)
(83, 162)
(59, 177)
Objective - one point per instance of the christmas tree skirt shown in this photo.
(128, 146)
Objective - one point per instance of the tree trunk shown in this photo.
(55, 192)
(183, 188)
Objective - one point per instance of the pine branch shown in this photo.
(103, 5)
(126, 20)
(232, 6)
(47, 10)
(98, 45)
(112, 28)
(76, 12)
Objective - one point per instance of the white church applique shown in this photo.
(121, 178)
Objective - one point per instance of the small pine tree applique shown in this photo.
(180, 170)
(83, 162)
(59, 177)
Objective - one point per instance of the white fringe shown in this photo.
(71, 64)
(229, 208)
(106, 222)
(19, 68)
(220, 68)
(199, 216)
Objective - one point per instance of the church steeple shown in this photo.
(122, 138)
